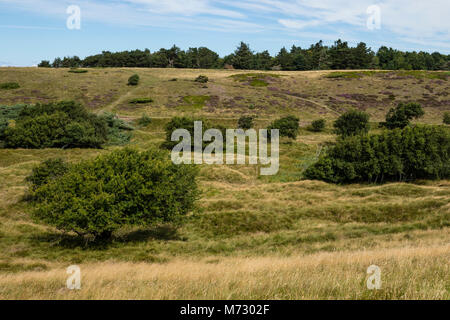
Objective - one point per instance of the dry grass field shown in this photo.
(251, 237)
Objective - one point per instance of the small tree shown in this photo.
(352, 123)
(125, 187)
(288, 127)
(446, 118)
(245, 122)
(400, 116)
(318, 125)
(133, 80)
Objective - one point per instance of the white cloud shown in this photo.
(424, 23)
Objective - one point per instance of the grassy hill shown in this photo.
(251, 237)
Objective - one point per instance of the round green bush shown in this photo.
(352, 123)
(318, 125)
(126, 187)
(245, 122)
(288, 127)
(133, 80)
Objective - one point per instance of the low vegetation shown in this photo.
(9, 85)
(141, 101)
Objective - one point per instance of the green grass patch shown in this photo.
(425, 74)
(195, 102)
(255, 79)
(78, 71)
(9, 85)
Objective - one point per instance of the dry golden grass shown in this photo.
(407, 273)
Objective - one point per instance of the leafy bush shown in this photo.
(318, 125)
(144, 120)
(47, 171)
(133, 80)
(63, 125)
(9, 85)
(245, 122)
(400, 116)
(446, 119)
(421, 152)
(352, 123)
(126, 187)
(187, 124)
(202, 79)
(288, 127)
(141, 100)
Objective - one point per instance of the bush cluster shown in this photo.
(421, 152)
(62, 125)
(126, 187)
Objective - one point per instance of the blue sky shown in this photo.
(33, 30)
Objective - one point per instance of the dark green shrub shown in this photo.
(133, 80)
(400, 116)
(126, 187)
(245, 122)
(47, 171)
(141, 100)
(44, 64)
(64, 125)
(352, 123)
(3, 125)
(288, 127)
(144, 121)
(202, 79)
(446, 119)
(318, 125)
(9, 85)
(187, 124)
(421, 152)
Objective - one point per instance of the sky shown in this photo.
(35, 30)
